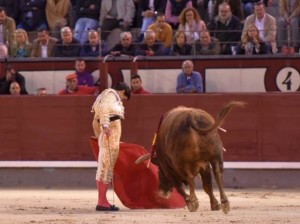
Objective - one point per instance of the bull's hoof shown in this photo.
(226, 207)
(164, 194)
(215, 207)
(192, 205)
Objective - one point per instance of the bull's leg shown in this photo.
(217, 166)
(192, 200)
(207, 186)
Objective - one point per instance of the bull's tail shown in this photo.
(221, 116)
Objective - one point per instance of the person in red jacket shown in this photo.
(73, 88)
(136, 85)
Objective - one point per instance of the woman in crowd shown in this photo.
(21, 48)
(191, 24)
(180, 47)
(252, 43)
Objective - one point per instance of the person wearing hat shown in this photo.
(73, 88)
(109, 111)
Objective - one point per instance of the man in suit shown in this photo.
(265, 23)
(7, 27)
(44, 44)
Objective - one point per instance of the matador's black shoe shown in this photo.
(111, 208)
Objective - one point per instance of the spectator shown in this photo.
(265, 23)
(43, 46)
(288, 24)
(12, 76)
(163, 32)
(116, 14)
(150, 47)
(87, 18)
(252, 43)
(32, 15)
(226, 28)
(235, 6)
(84, 77)
(180, 47)
(207, 45)
(67, 46)
(57, 14)
(41, 91)
(21, 48)
(94, 47)
(125, 47)
(173, 10)
(73, 88)
(149, 9)
(11, 8)
(137, 85)
(14, 89)
(191, 24)
(189, 81)
(248, 6)
(7, 28)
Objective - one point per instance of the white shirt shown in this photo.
(260, 26)
(44, 50)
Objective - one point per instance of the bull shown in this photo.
(188, 144)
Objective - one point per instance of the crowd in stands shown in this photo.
(80, 28)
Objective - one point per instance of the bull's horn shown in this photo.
(143, 158)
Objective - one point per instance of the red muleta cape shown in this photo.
(135, 184)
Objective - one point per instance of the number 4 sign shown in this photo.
(288, 80)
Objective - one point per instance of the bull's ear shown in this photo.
(143, 158)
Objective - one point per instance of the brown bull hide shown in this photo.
(188, 144)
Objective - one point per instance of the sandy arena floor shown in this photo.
(77, 206)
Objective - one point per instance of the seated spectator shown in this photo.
(248, 6)
(125, 47)
(14, 89)
(191, 24)
(43, 45)
(116, 14)
(207, 45)
(41, 91)
(73, 88)
(149, 11)
(226, 28)
(87, 18)
(173, 10)
(7, 28)
(288, 22)
(67, 46)
(12, 76)
(163, 32)
(137, 85)
(11, 8)
(57, 14)
(252, 43)
(21, 47)
(32, 15)
(94, 47)
(180, 47)
(235, 6)
(84, 77)
(150, 47)
(265, 23)
(189, 81)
